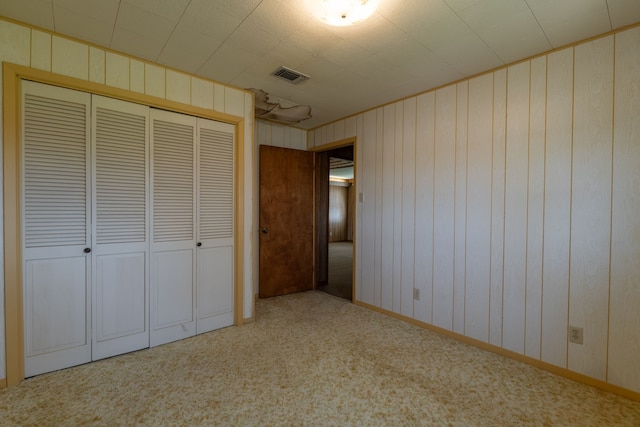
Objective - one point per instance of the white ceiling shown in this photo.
(407, 47)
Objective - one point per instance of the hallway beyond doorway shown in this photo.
(340, 270)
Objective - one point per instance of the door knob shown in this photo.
(87, 250)
(265, 230)
(199, 244)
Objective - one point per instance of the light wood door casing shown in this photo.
(286, 221)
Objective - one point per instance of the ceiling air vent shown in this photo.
(292, 76)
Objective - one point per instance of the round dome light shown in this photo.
(342, 13)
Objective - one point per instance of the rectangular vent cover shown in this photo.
(292, 76)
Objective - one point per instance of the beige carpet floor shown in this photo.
(312, 359)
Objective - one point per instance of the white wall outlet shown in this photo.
(416, 294)
(575, 335)
(361, 197)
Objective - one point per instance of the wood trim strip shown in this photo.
(238, 244)
(14, 340)
(566, 373)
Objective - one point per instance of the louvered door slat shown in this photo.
(215, 184)
(172, 181)
(55, 138)
(120, 176)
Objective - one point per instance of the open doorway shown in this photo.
(335, 193)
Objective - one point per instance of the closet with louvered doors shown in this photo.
(192, 226)
(108, 266)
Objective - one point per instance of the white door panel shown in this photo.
(56, 316)
(120, 316)
(120, 226)
(173, 218)
(215, 201)
(215, 288)
(56, 227)
(172, 296)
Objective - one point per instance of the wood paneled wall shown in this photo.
(338, 212)
(511, 201)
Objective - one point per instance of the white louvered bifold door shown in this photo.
(120, 264)
(215, 142)
(173, 226)
(56, 227)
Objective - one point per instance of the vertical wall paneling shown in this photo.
(218, 97)
(535, 206)
(288, 140)
(277, 136)
(97, 66)
(117, 70)
(591, 205)
(367, 186)
(524, 209)
(154, 80)
(338, 131)
(478, 231)
(179, 88)
(136, 78)
(329, 133)
(397, 208)
(388, 200)
(201, 93)
(443, 209)
(460, 236)
(16, 43)
(423, 253)
(516, 186)
(350, 126)
(233, 101)
(41, 50)
(408, 205)
(69, 58)
(557, 208)
(624, 338)
(497, 205)
(379, 205)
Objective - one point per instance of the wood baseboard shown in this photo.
(563, 372)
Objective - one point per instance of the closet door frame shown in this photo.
(12, 76)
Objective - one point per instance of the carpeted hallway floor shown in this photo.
(360, 368)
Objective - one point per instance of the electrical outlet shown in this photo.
(416, 294)
(575, 335)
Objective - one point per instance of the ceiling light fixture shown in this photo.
(342, 13)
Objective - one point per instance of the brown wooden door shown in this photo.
(286, 220)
